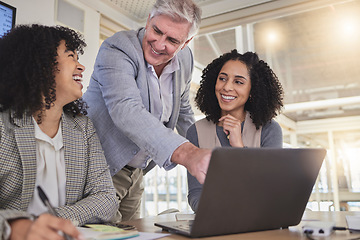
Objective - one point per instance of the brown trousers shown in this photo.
(129, 187)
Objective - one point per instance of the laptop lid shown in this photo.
(253, 189)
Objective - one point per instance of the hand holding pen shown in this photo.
(45, 226)
(54, 224)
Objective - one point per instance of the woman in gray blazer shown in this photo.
(45, 139)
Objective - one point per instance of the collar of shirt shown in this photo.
(56, 141)
(171, 67)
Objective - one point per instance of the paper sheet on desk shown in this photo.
(90, 234)
(150, 236)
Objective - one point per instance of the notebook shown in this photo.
(252, 189)
(106, 232)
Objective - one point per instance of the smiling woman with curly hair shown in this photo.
(28, 66)
(239, 95)
(45, 140)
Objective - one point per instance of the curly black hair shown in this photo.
(266, 94)
(28, 65)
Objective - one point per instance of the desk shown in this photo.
(147, 225)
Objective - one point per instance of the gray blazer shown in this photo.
(90, 195)
(119, 102)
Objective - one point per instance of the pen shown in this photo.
(50, 208)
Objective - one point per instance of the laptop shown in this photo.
(252, 189)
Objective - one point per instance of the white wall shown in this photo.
(92, 36)
(43, 12)
(33, 11)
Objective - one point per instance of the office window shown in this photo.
(210, 46)
(315, 55)
(165, 190)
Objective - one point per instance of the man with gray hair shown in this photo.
(139, 92)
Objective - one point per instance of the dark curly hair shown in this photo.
(28, 65)
(266, 92)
